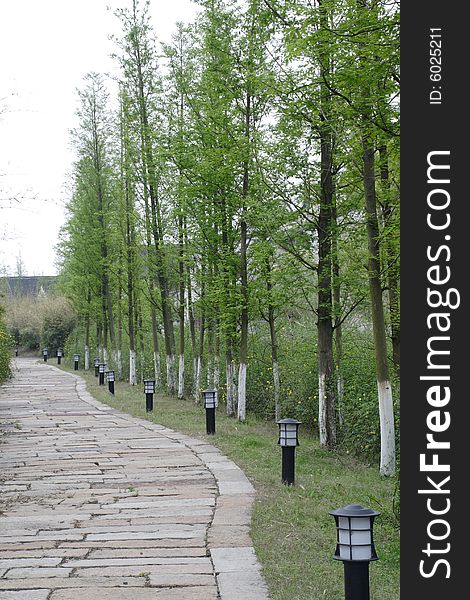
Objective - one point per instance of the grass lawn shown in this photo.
(293, 534)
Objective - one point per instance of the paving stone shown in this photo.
(76, 582)
(186, 593)
(180, 579)
(227, 560)
(24, 595)
(246, 586)
(38, 572)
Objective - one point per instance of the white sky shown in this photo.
(46, 48)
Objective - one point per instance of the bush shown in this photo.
(39, 321)
(6, 343)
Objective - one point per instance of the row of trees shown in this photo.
(243, 182)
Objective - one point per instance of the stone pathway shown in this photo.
(98, 505)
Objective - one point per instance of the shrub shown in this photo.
(6, 343)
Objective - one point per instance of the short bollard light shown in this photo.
(110, 377)
(149, 389)
(76, 360)
(45, 354)
(210, 404)
(59, 355)
(101, 372)
(355, 548)
(288, 440)
(97, 366)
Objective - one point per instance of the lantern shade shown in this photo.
(210, 398)
(110, 375)
(59, 352)
(97, 362)
(288, 432)
(149, 386)
(354, 525)
(76, 357)
(45, 351)
(102, 367)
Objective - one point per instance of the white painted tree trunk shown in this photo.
(170, 374)
(105, 356)
(195, 389)
(119, 364)
(231, 389)
(209, 372)
(242, 392)
(322, 416)
(387, 428)
(181, 377)
(132, 368)
(87, 358)
(277, 391)
(157, 369)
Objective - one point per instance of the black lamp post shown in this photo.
(76, 360)
(97, 366)
(210, 403)
(355, 548)
(101, 372)
(149, 389)
(288, 440)
(110, 377)
(59, 355)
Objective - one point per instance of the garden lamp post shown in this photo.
(288, 440)
(355, 548)
(59, 355)
(97, 366)
(110, 377)
(149, 389)
(210, 403)
(76, 360)
(45, 354)
(101, 372)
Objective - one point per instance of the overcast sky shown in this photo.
(46, 48)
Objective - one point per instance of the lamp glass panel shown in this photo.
(360, 538)
(361, 552)
(344, 536)
(360, 523)
(345, 552)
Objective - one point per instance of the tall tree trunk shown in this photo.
(326, 379)
(244, 266)
(338, 328)
(387, 425)
(392, 266)
(182, 301)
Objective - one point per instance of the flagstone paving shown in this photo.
(98, 505)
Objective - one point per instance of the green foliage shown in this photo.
(6, 344)
(43, 321)
(58, 323)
